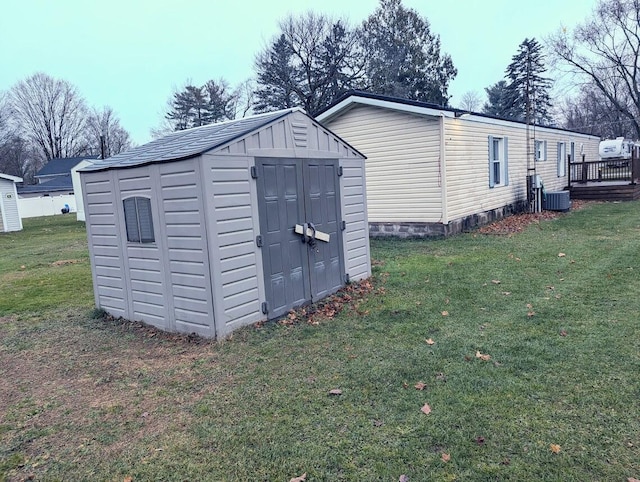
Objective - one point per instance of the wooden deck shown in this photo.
(605, 191)
(608, 180)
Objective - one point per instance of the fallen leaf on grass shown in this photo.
(506, 293)
(335, 391)
(128, 478)
(426, 409)
(403, 478)
(302, 478)
(530, 313)
(561, 255)
(495, 281)
(483, 357)
(563, 333)
(420, 386)
(480, 440)
(445, 457)
(631, 479)
(445, 313)
(429, 341)
(555, 448)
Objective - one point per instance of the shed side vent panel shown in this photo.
(185, 249)
(354, 213)
(144, 259)
(105, 245)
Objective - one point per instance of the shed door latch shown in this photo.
(259, 241)
(265, 307)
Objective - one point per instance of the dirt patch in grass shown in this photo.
(519, 222)
(99, 388)
(64, 262)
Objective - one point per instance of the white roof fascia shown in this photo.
(385, 104)
(428, 111)
(11, 178)
(507, 123)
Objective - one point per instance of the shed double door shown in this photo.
(298, 270)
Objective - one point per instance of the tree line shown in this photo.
(315, 59)
(43, 118)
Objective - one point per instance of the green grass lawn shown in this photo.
(554, 307)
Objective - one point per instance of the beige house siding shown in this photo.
(467, 158)
(402, 166)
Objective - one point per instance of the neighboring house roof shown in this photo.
(352, 98)
(189, 143)
(62, 166)
(10, 178)
(58, 183)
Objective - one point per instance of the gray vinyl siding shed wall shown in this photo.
(9, 214)
(204, 272)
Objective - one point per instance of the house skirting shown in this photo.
(427, 230)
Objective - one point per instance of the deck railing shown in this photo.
(614, 170)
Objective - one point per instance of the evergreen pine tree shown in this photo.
(527, 92)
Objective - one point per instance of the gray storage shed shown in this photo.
(212, 228)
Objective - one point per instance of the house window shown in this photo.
(498, 156)
(541, 150)
(562, 159)
(138, 220)
(572, 151)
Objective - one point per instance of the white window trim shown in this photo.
(540, 155)
(503, 161)
(562, 159)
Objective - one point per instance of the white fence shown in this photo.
(31, 207)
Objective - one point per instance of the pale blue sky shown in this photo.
(130, 54)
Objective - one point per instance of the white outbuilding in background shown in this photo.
(9, 212)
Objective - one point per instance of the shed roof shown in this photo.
(61, 166)
(189, 143)
(10, 178)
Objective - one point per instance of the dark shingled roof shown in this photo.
(61, 167)
(58, 183)
(188, 143)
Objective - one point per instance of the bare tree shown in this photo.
(4, 119)
(471, 101)
(17, 158)
(311, 62)
(605, 51)
(51, 113)
(591, 112)
(244, 98)
(104, 126)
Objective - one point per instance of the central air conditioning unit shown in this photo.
(557, 201)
